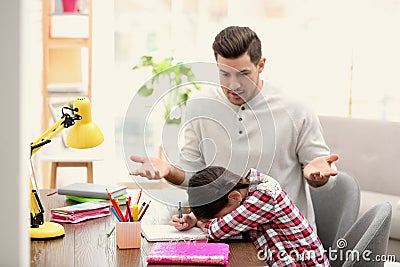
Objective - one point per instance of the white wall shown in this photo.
(107, 96)
(14, 225)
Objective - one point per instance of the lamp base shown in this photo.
(46, 231)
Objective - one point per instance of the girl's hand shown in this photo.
(188, 221)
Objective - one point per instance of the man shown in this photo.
(255, 127)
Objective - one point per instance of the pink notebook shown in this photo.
(211, 254)
(80, 212)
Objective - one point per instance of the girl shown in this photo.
(223, 204)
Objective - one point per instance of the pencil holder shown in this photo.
(128, 235)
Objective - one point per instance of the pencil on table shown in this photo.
(53, 193)
(111, 231)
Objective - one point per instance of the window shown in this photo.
(341, 57)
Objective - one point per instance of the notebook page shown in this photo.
(166, 233)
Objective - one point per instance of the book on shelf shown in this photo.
(92, 190)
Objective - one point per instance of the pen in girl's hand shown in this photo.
(180, 213)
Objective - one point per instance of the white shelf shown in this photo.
(66, 87)
(73, 25)
(65, 76)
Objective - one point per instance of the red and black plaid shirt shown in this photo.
(274, 224)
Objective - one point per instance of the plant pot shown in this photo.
(70, 6)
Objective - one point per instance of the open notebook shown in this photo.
(155, 233)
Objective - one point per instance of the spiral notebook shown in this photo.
(210, 254)
(154, 233)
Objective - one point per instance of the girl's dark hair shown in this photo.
(234, 41)
(209, 189)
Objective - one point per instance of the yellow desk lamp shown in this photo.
(84, 133)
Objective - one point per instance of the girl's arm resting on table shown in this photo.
(256, 209)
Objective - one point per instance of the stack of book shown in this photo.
(85, 192)
(80, 212)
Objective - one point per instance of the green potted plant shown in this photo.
(178, 75)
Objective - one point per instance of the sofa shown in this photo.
(369, 150)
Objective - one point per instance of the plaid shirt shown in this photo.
(275, 225)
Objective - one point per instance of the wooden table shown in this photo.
(87, 244)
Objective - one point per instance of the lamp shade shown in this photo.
(85, 133)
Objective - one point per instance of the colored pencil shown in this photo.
(115, 205)
(144, 211)
(138, 197)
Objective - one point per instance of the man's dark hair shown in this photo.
(213, 183)
(234, 41)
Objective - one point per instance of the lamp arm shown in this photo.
(65, 122)
(46, 137)
(36, 207)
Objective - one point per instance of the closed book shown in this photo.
(80, 212)
(210, 254)
(121, 199)
(92, 190)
